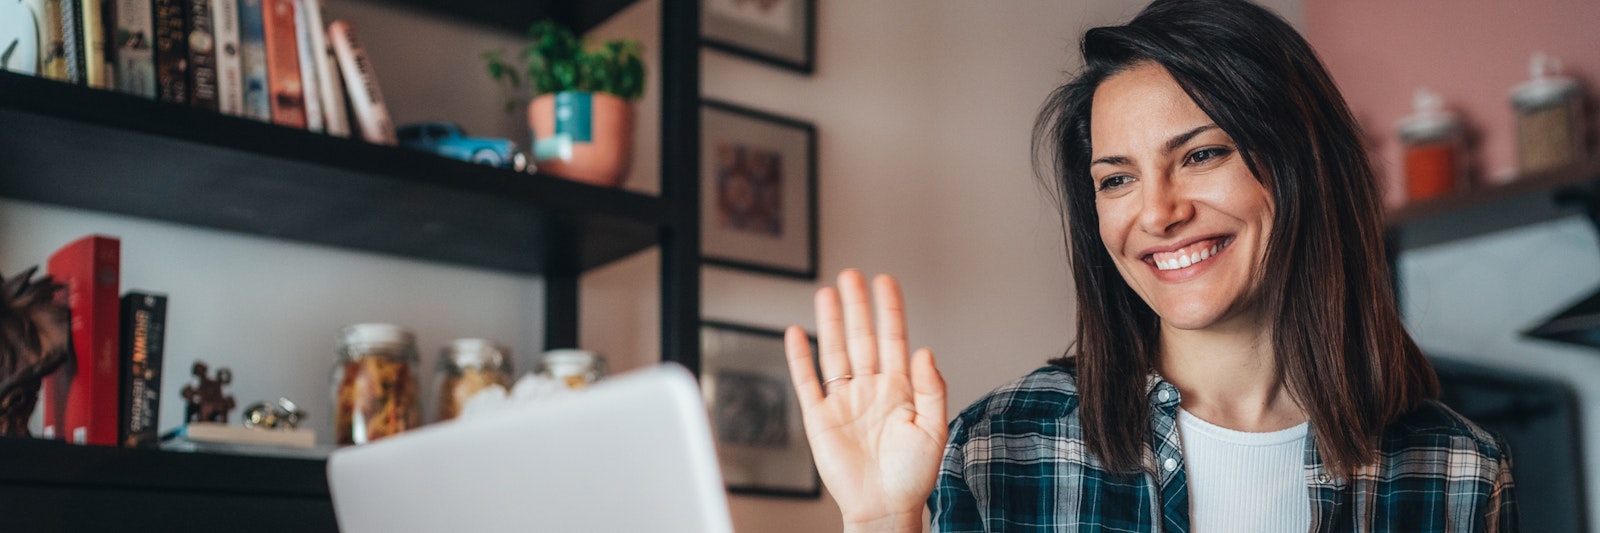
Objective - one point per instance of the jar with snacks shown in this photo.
(574, 368)
(466, 367)
(374, 383)
(1549, 118)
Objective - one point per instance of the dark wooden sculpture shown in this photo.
(205, 399)
(35, 340)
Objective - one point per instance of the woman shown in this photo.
(1240, 364)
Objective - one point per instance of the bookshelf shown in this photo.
(77, 147)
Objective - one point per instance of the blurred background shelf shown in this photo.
(78, 147)
(1528, 200)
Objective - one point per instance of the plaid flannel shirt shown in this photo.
(1016, 461)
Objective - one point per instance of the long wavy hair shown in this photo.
(1336, 333)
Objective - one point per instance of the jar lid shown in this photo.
(476, 353)
(366, 334)
(570, 356)
(1545, 85)
(1429, 121)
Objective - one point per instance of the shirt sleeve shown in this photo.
(953, 507)
(1502, 510)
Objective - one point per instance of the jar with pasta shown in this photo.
(466, 367)
(374, 383)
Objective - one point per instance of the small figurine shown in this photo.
(206, 402)
(35, 340)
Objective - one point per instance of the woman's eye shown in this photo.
(1112, 182)
(1206, 154)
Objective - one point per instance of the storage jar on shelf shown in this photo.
(1434, 149)
(466, 367)
(375, 383)
(1549, 118)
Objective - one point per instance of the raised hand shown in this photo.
(876, 417)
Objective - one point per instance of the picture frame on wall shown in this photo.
(758, 191)
(755, 417)
(781, 33)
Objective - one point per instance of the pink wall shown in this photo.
(1470, 51)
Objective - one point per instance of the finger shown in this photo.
(862, 341)
(830, 334)
(892, 345)
(801, 370)
(928, 389)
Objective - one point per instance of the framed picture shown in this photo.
(761, 442)
(779, 32)
(758, 188)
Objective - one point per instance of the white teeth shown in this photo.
(1186, 261)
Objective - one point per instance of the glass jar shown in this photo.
(1549, 118)
(574, 368)
(466, 367)
(1434, 149)
(374, 383)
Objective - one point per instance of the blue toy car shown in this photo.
(447, 139)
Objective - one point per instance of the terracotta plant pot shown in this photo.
(585, 137)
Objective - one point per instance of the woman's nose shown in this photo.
(1164, 208)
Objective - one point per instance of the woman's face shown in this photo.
(1182, 216)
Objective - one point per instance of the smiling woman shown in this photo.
(1240, 364)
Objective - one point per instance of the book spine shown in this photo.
(202, 56)
(371, 113)
(253, 61)
(283, 63)
(72, 40)
(172, 51)
(230, 80)
(96, 62)
(132, 48)
(332, 93)
(88, 415)
(52, 52)
(310, 83)
(144, 324)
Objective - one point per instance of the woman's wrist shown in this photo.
(901, 522)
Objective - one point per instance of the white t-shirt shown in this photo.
(1244, 482)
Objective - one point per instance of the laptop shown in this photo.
(633, 453)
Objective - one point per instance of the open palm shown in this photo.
(876, 422)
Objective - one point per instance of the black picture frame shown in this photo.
(758, 187)
(755, 416)
(786, 37)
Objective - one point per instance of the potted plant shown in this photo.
(581, 114)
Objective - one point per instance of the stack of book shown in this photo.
(268, 60)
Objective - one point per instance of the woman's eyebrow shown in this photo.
(1172, 144)
(1184, 137)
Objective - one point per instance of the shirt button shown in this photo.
(1324, 479)
(1164, 395)
(1170, 465)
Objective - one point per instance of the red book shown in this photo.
(283, 63)
(81, 401)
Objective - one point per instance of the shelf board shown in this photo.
(41, 462)
(78, 147)
(516, 16)
(1526, 201)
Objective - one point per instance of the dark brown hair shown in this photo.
(1335, 330)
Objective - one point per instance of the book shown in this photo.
(202, 56)
(52, 52)
(172, 50)
(71, 21)
(133, 48)
(287, 95)
(310, 83)
(372, 115)
(253, 61)
(329, 85)
(81, 400)
(239, 434)
(230, 76)
(144, 325)
(96, 61)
